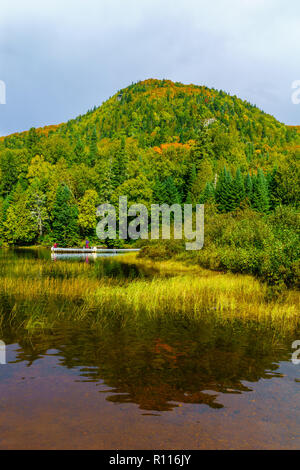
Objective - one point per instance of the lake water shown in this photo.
(168, 385)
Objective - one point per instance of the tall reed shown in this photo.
(38, 293)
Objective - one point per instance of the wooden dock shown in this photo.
(94, 250)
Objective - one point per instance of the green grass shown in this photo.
(37, 293)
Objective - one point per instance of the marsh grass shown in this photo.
(37, 293)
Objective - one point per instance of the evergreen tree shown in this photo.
(79, 151)
(32, 138)
(119, 168)
(274, 196)
(19, 225)
(9, 171)
(260, 197)
(224, 192)
(189, 183)
(248, 188)
(208, 194)
(159, 193)
(166, 192)
(1, 220)
(202, 148)
(93, 155)
(5, 203)
(249, 151)
(171, 192)
(106, 185)
(238, 189)
(65, 217)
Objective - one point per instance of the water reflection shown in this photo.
(104, 264)
(87, 257)
(25, 253)
(73, 387)
(160, 366)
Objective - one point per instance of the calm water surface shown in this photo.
(168, 385)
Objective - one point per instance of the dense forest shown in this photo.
(162, 142)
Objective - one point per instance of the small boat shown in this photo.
(94, 250)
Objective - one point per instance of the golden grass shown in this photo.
(226, 297)
(46, 293)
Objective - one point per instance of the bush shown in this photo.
(266, 246)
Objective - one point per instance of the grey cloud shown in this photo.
(62, 58)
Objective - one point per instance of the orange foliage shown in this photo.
(157, 91)
(174, 145)
(297, 128)
(40, 131)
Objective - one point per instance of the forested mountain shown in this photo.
(154, 141)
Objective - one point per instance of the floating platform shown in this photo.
(94, 250)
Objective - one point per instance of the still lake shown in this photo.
(169, 386)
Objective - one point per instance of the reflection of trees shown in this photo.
(161, 365)
(123, 271)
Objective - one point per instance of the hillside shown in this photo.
(154, 141)
(156, 121)
(160, 111)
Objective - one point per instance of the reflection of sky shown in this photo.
(59, 59)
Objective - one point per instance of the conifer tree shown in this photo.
(249, 151)
(260, 198)
(171, 192)
(208, 194)
(79, 151)
(65, 217)
(274, 196)
(93, 148)
(166, 192)
(5, 203)
(238, 189)
(203, 146)
(9, 171)
(189, 182)
(248, 188)
(32, 138)
(224, 192)
(119, 168)
(159, 193)
(19, 224)
(106, 185)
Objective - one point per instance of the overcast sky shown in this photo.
(62, 57)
